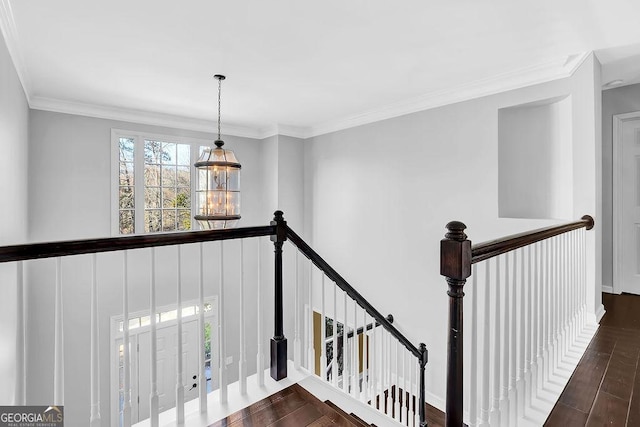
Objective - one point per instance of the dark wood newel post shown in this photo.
(455, 265)
(424, 358)
(278, 342)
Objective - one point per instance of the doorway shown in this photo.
(626, 203)
(166, 351)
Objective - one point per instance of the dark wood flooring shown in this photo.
(291, 407)
(604, 390)
(296, 407)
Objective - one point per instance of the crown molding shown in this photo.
(541, 73)
(140, 116)
(286, 130)
(10, 34)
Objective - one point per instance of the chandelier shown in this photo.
(218, 192)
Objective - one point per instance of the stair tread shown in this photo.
(291, 407)
(349, 417)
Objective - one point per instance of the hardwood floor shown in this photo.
(604, 390)
(291, 407)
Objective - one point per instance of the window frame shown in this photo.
(138, 179)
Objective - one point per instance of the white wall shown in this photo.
(283, 181)
(534, 161)
(377, 198)
(614, 101)
(14, 121)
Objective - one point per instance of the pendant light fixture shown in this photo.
(218, 193)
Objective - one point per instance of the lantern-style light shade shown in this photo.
(218, 192)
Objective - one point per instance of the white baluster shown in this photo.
(382, 373)
(311, 354)
(396, 384)
(365, 358)
(548, 354)
(556, 303)
(583, 274)
(21, 377)
(222, 336)
(557, 285)
(405, 400)
(297, 349)
(570, 299)
(242, 362)
(546, 304)
(535, 371)
(154, 404)
(486, 347)
(574, 289)
(126, 409)
(578, 283)
(513, 396)
(473, 370)
(552, 306)
(345, 354)
(381, 370)
(530, 377)
(496, 346)
(323, 334)
(416, 396)
(94, 418)
(504, 390)
(387, 366)
(335, 370)
(179, 369)
(563, 299)
(520, 384)
(260, 356)
(202, 380)
(373, 366)
(355, 365)
(380, 360)
(540, 323)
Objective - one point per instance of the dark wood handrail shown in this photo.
(109, 244)
(492, 248)
(353, 294)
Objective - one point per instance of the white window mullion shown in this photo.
(195, 155)
(139, 184)
(115, 183)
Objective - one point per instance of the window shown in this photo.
(154, 184)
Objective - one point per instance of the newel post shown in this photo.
(455, 265)
(278, 342)
(424, 358)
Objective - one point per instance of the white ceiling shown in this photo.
(300, 67)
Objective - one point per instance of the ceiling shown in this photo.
(298, 67)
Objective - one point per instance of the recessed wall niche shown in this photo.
(535, 160)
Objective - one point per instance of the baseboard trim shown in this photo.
(600, 311)
(607, 289)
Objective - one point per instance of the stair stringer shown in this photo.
(325, 391)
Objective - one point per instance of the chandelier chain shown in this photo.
(219, 90)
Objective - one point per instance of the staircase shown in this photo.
(292, 407)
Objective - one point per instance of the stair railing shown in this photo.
(542, 276)
(375, 368)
